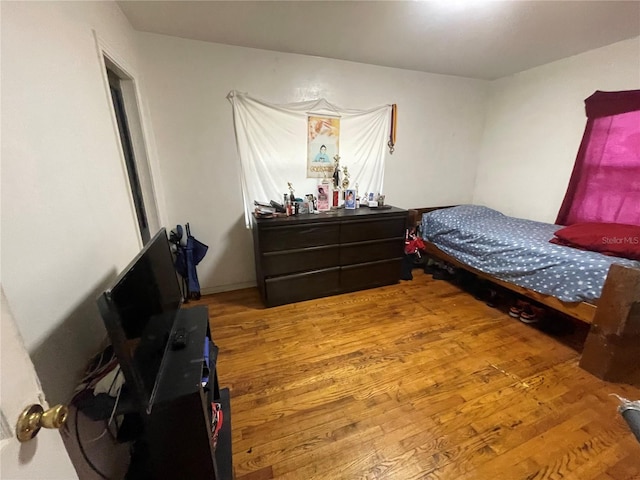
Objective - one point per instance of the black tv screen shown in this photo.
(139, 310)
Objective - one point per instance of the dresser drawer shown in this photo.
(309, 256)
(273, 239)
(372, 274)
(370, 251)
(302, 286)
(299, 260)
(362, 230)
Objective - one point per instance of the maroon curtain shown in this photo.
(605, 183)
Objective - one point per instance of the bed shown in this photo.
(514, 253)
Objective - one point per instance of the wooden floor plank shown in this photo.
(412, 381)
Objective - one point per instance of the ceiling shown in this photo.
(471, 38)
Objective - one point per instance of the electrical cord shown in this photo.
(84, 453)
(115, 406)
(97, 367)
(95, 371)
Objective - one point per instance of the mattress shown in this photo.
(518, 251)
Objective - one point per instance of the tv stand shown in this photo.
(177, 439)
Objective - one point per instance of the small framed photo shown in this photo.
(350, 199)
(323, 191)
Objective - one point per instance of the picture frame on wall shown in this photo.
(323, 144)
(350, 199)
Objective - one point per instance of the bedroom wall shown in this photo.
(439, 130)
(534, 125)
(67, 221)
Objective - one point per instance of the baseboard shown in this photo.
(227, 288)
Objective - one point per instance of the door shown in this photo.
(45, 456)
(128, 151)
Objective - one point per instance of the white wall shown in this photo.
(439, 130)
(67, 222)
(534, 125)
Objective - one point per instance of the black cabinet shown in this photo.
(314, 255)
(177, 441)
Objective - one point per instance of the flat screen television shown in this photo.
(139, 310)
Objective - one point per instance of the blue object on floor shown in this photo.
(188, 255)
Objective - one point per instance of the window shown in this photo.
(605, 183)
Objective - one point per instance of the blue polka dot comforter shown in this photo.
(518, 251)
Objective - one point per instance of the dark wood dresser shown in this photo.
(314, 255)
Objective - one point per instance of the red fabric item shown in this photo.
(414, 245)
(614, 239)
(605, 182)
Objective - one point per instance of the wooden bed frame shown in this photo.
(612, 348)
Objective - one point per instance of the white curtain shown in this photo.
(272, 145)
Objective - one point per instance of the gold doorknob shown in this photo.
(33, 418)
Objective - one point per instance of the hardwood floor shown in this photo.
(415, 380)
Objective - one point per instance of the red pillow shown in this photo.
(615, 239)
